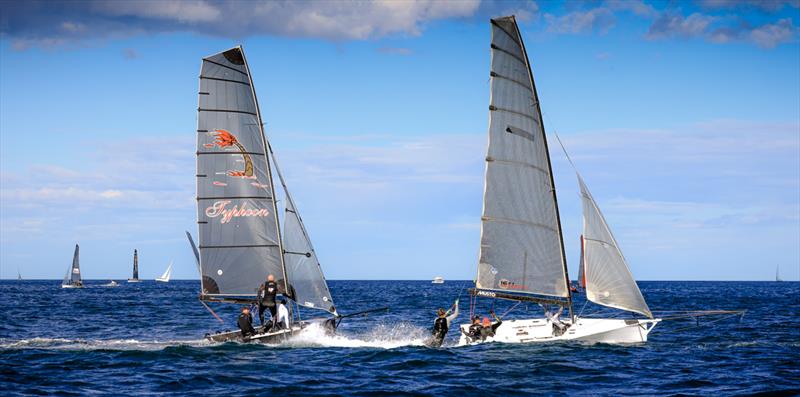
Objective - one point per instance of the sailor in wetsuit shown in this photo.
(266, 298)
(246, 323)
(488, 329)
(441, 325)
(282, 320)
(473, 333)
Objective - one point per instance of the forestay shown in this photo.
(609, 281)
(521, 242)
(236, 211)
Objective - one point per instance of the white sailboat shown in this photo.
(240, 238)
(135, 278)
(111, 283)
(778, 273)
(522, 254)
(167, 274)
(438, 280)
(73, 277)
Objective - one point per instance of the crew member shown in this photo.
(282, 321)
(246, 322)
(473, 333)
(266, 298)
(558, 326)
(487, 328)
(442, 324)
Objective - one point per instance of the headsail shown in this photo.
(609, 281)
(521, 242)
(236, 210)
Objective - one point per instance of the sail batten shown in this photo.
(605, 272)
(521, 241)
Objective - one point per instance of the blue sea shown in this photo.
(147, 339)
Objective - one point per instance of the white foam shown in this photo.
(381, 337)
(95, 344)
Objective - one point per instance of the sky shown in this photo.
(682, 117)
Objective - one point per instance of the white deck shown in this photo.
(586, 329)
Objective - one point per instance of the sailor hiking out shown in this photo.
(442, 324)
(246, 323)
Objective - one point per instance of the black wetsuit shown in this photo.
(486, 332)
(266, 295)
(246, 324)
(474, 332)
(439, 331)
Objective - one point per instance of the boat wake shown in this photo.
(96, 344)
(381, 337)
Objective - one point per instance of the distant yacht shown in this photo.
(73, 277)
(167, 274)
(438, 280)
(778, 274)
(135, 278)
(111, 283)
(19, 276)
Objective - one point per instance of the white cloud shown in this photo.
(597, 19)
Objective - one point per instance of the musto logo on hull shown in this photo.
(218, 209)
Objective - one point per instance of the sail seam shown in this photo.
(232, 152)
(515, 162)
(235, 197)
(495, 108)
(598, 241)
(517, 222)
(238, 246)
(226, 110)
(225, 66)
(227, 80)
(494, 74)
(503, 50)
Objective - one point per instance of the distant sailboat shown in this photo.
(73, 277)
(778, 274)
(19, 275)
(167, 274)
(135, 278)
(111, 283)
(438, 280)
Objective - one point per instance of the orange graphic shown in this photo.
(226, 139)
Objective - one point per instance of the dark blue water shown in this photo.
(147, 339)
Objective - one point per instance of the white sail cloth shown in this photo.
(521, 241)
(74, 274)
(609, 281)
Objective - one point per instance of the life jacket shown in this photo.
(268, 292)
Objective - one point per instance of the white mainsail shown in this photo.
(609, 281)
(73, 277)
(521, 247)
(236, 209)
(167, 274)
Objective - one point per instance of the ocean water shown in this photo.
(145, 339)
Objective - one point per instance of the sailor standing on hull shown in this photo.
(282, 321)
(266, 298)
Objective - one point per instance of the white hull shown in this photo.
(162, 280)
(130, 280)
(595, 330)
(71, 286)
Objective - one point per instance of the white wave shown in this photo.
(95, 344)
(381, 337)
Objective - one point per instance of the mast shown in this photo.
(267, 152)
(135, 265)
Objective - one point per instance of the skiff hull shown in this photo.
(260, 336)
(71, 286)
(593, 330)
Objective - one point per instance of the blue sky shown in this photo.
(683, 117)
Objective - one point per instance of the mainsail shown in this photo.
(167, 273)
(609, 281)
(236, 208)
(521, 242)
(74, 275)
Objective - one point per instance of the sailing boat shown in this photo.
(522, 254)
(19, 275)
(167, 274)
(778, 274)
(73, 277)
(135, 278)
(240, 236)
